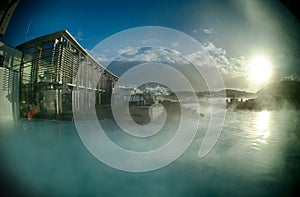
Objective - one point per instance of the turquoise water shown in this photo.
(257, 154)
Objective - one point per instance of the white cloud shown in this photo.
(216, 56)
(235, 66)
(152, 54)
(200, 58)
(207, 30)
(126, 50)
(210, 56)
(211, 48)
(101, 58)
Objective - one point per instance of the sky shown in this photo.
(233, 32)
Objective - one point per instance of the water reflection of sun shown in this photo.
(262, 124)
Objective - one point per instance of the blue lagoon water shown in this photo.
(257, 154)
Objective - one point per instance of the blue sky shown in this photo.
(232, 31)
(91, 21)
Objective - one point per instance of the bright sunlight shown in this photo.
(260, 69)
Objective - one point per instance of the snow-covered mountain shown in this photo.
(155, 89)
(138, 56)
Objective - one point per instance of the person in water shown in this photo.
(33, 112)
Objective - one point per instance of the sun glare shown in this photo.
(260, 69)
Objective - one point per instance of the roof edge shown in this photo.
(68, 34)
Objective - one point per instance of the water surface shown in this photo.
(257, 154)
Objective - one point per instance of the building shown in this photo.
(10, 61)
(52, 67)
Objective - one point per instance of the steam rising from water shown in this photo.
(48, 158)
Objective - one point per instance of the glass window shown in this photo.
(1, 60)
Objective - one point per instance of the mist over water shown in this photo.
(257, 154)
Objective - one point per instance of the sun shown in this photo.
(260, 69)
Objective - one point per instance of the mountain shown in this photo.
(142, 55)
(286, 88)
(234, 93)
(282, 94)
(155, 89)
(275, 96)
